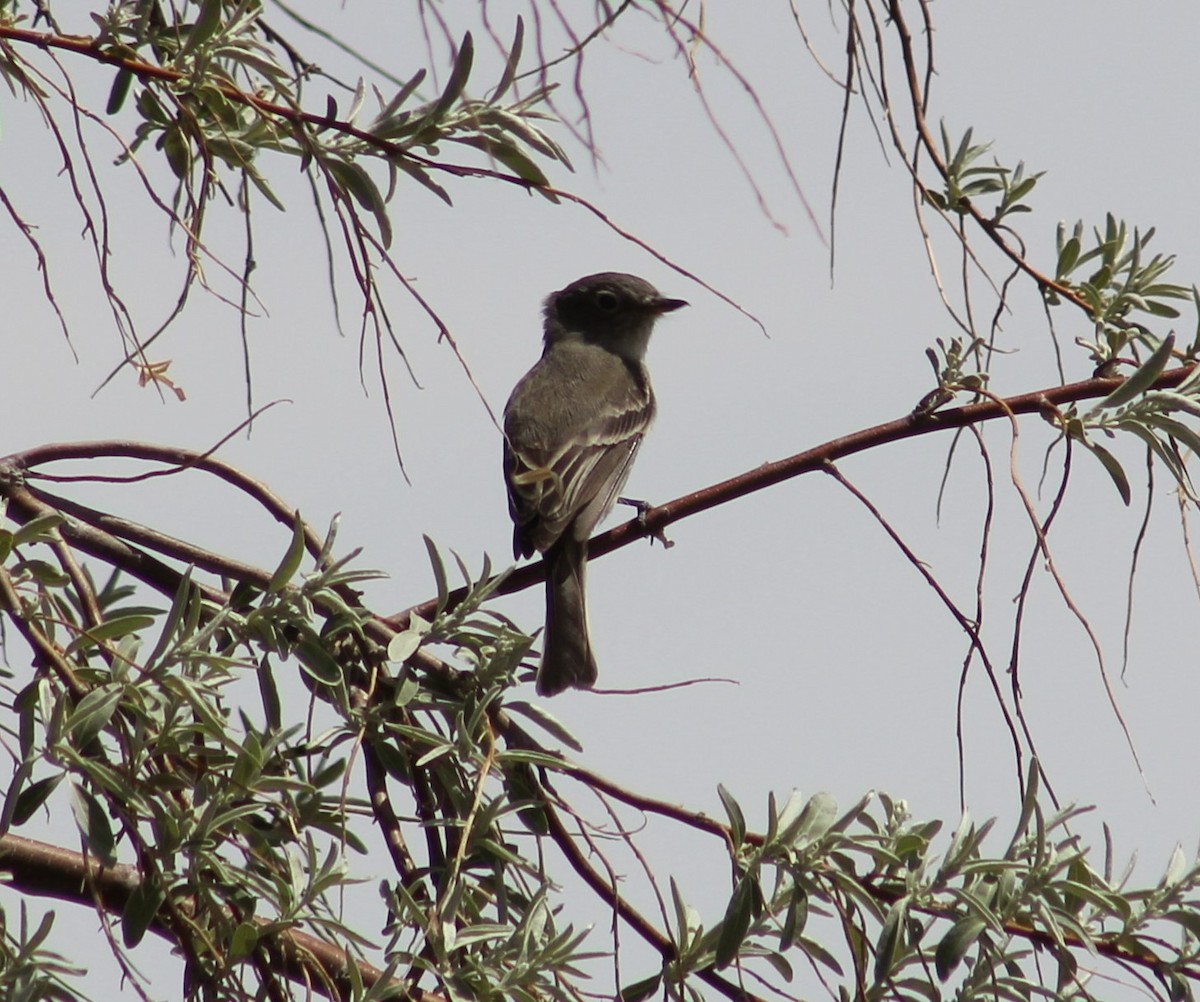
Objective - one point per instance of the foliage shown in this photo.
(246, 830)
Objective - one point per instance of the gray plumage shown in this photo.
(572, 427)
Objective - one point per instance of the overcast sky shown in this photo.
(846, 667)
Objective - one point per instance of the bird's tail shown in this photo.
(567, 660)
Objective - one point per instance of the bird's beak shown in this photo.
(667, 305)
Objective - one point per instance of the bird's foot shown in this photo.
(642, 507)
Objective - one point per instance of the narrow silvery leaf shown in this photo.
(1143, 378)
(458, 79)
(1113, 466)
(510, 64)
(736, 923)
(956, 943)
(889, 940)
(291, 560)
(737, 820)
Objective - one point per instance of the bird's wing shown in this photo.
(576, 482)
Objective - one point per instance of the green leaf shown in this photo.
(93, 824)
(814, 821)
(545, 720)
(1023, 188)
(776, 960)
(510, 64)
(261, 184)
(1160, 309)
(1167, 456)
(890, 938)
(687, 918)
(935, 198)
(737, 820)
(1142, 379)
(639, 991)
(243, 941)
(205, 27)
(32, 797)
(1183, 434)
(27, 705)
(185, 594)
(852, 815)
(1179, 989)
(960, 155)
(291, 560)
(458, 79)
(354, 180)
(1029, 808)
(818, 953)
(1068, 257)
(43, 573)
(395, 761)
(40, 529)
(788, 817)
(317, 662)
(737, 921)
(523, 789)
(955, 944)
(93, 713)
(1177, 867)
(420, 175)
(510, 156)
(403, 94)
(119, 91)
(404, 645)
(1189, 920)
(110, 629)
(177, 150)
(1114, 468)
(795, 919)
(440, 578)
(140, 910)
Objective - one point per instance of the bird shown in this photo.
(572, 428)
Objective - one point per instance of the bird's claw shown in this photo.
(642, 507)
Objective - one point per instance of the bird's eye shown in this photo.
(607, 301)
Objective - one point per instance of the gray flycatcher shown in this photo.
(571, 429)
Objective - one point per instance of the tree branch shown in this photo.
(45, 870)
(654, 521)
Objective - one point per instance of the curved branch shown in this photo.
(636, 921)
(177, 460)
(989, 226)
(388, 149)
(45, 870)
(654, 521)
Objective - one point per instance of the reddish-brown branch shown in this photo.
(177, 460)
(45, 651)
(23, 507)
(1111, 947)
(84, 45)
(818, 458)
(655, 520)
(89, 47)
(988, 225)
(636, 921)
(45, 870)
(87, 530)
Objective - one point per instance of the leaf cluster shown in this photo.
(966, 180)
(217, 90)
(919, 922)
(1121, 280)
